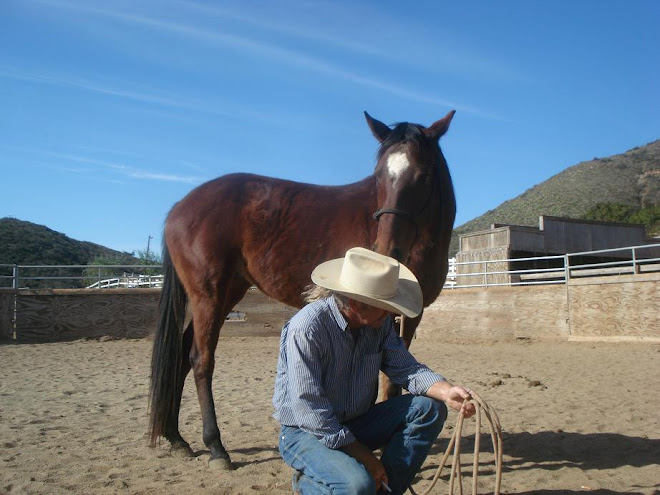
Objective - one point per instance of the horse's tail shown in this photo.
(166, 357)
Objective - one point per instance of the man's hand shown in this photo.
(366, 457)
(454, 396)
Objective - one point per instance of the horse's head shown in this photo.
(409, 178)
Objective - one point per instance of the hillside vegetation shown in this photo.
(630, 179)
(27, 243)
(649, 216)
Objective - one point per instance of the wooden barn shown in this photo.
(555, 236)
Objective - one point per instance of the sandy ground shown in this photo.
(578, 418)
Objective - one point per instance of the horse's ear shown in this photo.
(378, 129)
(439, 128)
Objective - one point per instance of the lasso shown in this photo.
(455, 443)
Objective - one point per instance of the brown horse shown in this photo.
(241, 230)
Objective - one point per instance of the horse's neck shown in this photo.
(360, 195)
(365, 187)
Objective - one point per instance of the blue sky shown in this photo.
(112, 111)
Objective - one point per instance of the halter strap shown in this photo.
(406, 214)
(394, 211)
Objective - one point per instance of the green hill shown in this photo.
(631, 179)
(26, 243)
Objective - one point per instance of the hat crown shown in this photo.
(370, 273)
(373, 279)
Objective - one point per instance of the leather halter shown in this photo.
(406, 214)
(394, 211)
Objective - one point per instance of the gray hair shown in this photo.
(315, 292)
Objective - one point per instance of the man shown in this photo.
(327, 379)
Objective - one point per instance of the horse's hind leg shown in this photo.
(180, 447)
(209, 314)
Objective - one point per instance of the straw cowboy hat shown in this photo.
(373, 279)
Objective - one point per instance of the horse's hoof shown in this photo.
(221, 464)
(182, 450)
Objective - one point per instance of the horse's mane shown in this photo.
(402, 132)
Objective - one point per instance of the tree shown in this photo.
(649, 216)
(100, 268)
(149, 258)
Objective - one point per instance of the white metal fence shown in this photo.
(485, 273)
(129, 281)
(79, 276)
(558, 269)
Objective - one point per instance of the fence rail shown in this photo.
(557, 269)
(79, 276)
(633, 261)
(129, 282)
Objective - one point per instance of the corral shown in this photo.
(614, 308)
(578, 417)
(570, 368)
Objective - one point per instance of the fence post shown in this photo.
(15, 278)
(486, 274)
(567, 269)
(634, 263)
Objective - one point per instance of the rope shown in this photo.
(455, 443)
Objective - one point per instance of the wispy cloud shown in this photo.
(288, 29)
(306, 29)
(124, 170)
(230, 110)
(94, 166)
(192, 166)
(88, 85)
(104, 150)
(266, 50)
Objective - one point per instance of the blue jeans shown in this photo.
(405, 426)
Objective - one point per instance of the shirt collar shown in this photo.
(336, 314)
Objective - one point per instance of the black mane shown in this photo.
(402, 132)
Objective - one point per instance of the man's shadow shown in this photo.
(556, 450)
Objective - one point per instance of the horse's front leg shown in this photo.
(208, 321)
(407, 327)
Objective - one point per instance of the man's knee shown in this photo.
(430, 410)
(360, 482)
(352, 480)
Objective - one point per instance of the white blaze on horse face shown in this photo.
(397, 163)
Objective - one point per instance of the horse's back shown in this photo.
(270, 231)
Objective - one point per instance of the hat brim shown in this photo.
(407, 300)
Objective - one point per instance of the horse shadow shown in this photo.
(552, 451)
(247, 451)
(601, 491)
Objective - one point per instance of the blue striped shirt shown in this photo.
(328, 374)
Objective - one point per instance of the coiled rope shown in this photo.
(455, 444)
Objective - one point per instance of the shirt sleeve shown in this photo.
(311, 408)
(402, 368)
